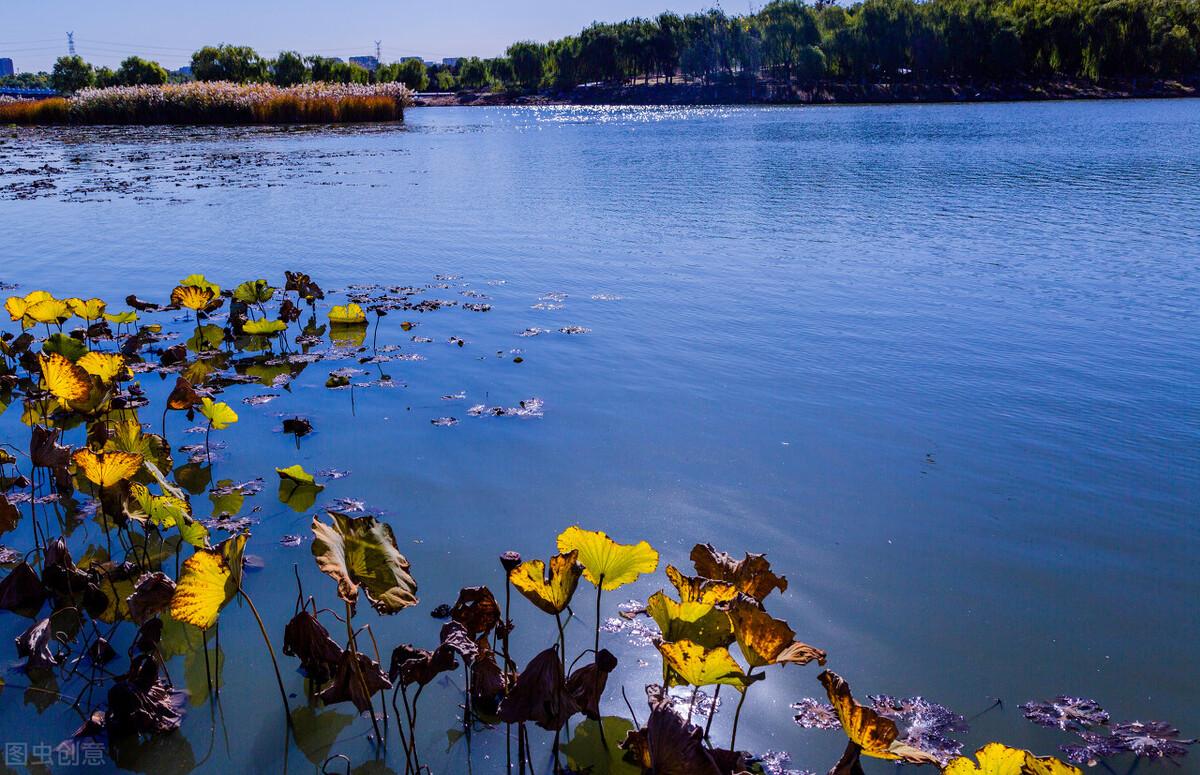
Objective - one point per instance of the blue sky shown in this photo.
(33, 32)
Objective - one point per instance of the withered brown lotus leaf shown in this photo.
(487, 679)
(875, 734)
(140, 703)
(455, 636)
(151, 594)
(148, 636)
(586, 685)
(141, 305)
(412, 665)
(21, 591)
(668, 745)
(752, 575)
(183, 396)
(38, 646)
(10, 515)
(476, 610)
(46, 452)
(307, 639)
(356, 679)
(67, 583)
(539, 695)
(765, 640)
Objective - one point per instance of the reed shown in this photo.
(217, 103)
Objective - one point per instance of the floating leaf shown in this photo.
(691, 664)
(220, 415)
(263, 327)
(876, 735)
(999, 759)
(347, 315)
(606, 563)
(297, 488)
(361, 552)
(105, 469)
(208, 580)
(552, 594)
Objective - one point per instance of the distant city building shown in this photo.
(451, 61)
(6, 67)
(370, 63)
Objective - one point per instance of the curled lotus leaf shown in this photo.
(64, 380)
(307, 639)
(999, 759)
(690, 664)
(151, 595)
(552, 593)
(141, 703)
(476, 610)
(38, 646)
(220, 415)
(871, 733)
(361, 552)
(183, 396)
(356, 679)
(347, 315)
(765, 640)
(697, 589)
(539, 694)
(105, 366)
(752, 575)
(670, 745)
(106, 469)
(415, 665)
(700, 623)
(606, 563)
(208, 580)
(585, 686)
(46, 452)
(21, 591)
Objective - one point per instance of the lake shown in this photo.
(941, 363)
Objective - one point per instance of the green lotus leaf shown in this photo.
(361, 553)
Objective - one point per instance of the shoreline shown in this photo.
(827, 93)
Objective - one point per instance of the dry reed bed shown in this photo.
(216, 103)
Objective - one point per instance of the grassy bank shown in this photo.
(216, 103)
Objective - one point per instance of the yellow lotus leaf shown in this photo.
(106, 366)
(347, 315)
(701, 623)
(15, 306)
(49, 311)
(875, 734)
(263, 327)
(999, 759)
(66, 381)
(128, 316)
(208, 580)
(696, 589)
(552, 594)
(104, 469)
(193, 297)
(765, 640)
(167, 511)
(220, 415)
(89, 309)
(689, 663)
(606, 563)
(200, 281)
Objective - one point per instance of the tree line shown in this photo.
(787, 40)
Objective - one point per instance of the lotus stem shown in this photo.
(712, 711)
(362, 681)
(271, 651)
(738, 713)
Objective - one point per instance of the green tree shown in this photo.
(446, 80)
(239, 64)
(528, 63)
(413, 73)
(105, 77)
(789, 30)
(289, 69)
(473, 73)
(135, 71)
(71, 74)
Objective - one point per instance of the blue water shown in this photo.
(939, 362)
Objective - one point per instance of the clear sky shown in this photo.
(33, 32)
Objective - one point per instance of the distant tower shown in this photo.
(378, 56)
(71, 43)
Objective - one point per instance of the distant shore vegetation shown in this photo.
(216, 102)
(787, 41)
